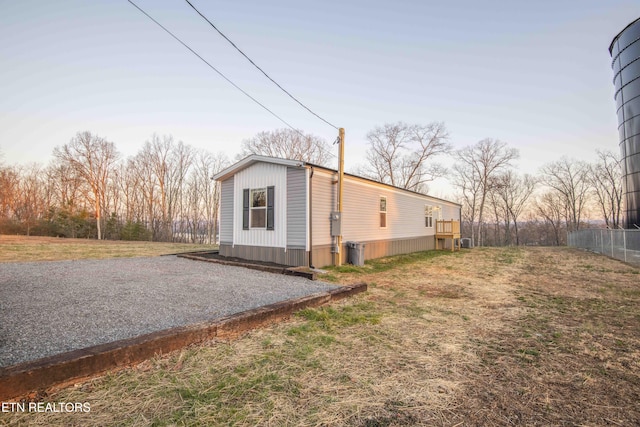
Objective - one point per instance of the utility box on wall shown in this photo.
(336, 224)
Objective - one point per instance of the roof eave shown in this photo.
(251, 160)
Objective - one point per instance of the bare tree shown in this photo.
(289, 144)
(401, 155)
(468, 182)
(93, 158)
(145, 182)
(605, 177)
(501, 214)
(162, 167)
(30, 203)
(66, 198)
(514, 192)
(180, 164)
(204, 193)
(64, 185)
(475, 175)
(569, 178)
(9, 188)
(551, 206)
(126, 179)
(156, 153)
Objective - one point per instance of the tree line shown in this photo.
(165, 191)
(503, 207)
(500, 206)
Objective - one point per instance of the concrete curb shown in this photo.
(19, 380)
(290, 271)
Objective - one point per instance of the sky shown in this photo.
(536, 75)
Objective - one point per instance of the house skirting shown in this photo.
(322, 254)
(376, 249)
(290, 257)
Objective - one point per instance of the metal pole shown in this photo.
(611, 242)
(338, 254)
(624, 240)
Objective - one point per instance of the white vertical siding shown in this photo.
(262, 175)
(226, 211)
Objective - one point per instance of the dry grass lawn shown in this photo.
(22, 249)
(493, 336)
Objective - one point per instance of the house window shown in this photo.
(428, 216)
(258, 208)
(383, 212)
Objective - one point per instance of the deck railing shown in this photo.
(448, 228)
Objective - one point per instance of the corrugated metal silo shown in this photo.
(625, 51)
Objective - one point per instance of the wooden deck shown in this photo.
(448, 230)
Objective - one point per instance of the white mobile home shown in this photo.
(281, 210)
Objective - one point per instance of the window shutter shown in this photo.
(270, 203)
(245, 209)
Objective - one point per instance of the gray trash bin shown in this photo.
(355, 255)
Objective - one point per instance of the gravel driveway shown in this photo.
(48, 308)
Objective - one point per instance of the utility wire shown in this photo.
(215, 69)
(255, 65)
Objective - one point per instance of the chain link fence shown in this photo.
(620, 244)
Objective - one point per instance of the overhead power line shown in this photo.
(256, 65)
(214, 68)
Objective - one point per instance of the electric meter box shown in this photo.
(336, 224)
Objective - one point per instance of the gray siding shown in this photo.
(296, 208)
(290, 257)
(226, 212)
